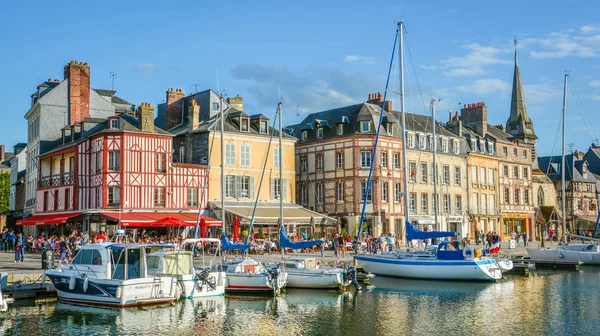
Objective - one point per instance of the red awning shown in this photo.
(159, 219)
(48, 219)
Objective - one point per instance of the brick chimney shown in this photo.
(174, 108)
(2, 153)
(475, 116)
(78, 94)
(193, 115)
(236, 102)
(146, 117)
(377, 99)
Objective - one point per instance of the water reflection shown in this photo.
(543, 303)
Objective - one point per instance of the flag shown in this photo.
(495, 248)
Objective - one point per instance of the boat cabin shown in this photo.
(449, 250)
(171, 263)
(308, 263)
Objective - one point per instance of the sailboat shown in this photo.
(448, 262)
(587, 253)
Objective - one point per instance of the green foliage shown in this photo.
(4, 191)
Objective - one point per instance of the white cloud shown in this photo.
(583, 43)
(145, 67)
(541, 93)
(596, 97)
(473, 63)
(486, 86)
(594, 83)
(359, 59)
(589, 29)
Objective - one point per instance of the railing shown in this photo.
(56, 180)
(68, 178)
(486, 211)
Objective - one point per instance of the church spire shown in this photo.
(519, 124)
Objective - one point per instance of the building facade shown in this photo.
(17, 183)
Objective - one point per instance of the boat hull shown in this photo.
(431, 269)
(114, 293)
(252, 283)
(193, 287)
(557, 254)
(314, 280)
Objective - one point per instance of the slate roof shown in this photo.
(551, 165)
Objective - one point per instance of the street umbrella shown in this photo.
(166, 221)
(202, 228)
(236, 229)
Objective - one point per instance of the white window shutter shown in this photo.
(251, 187)
(284, 189)
(238, 186)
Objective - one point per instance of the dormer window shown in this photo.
(410, 140)
(215, 106)
(473, 144)
(482, 146)
(445, 145)
(244, 124)
(390, 128)
(421, 141)
(263, 127)
(320, 133)
(340, 129)
(491, 148)
(304, 135)
(115, 123)
(456, 146)
(365, 126)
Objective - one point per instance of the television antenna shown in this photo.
(113, 76)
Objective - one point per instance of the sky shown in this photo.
(315, 55)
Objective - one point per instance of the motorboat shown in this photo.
(112, 275)
(310, 274)
(179, 263)
(448, 263)
(589, 254)
(250, 276)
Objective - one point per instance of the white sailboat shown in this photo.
(448, 262)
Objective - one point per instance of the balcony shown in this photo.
(56, 180)
(486, 211)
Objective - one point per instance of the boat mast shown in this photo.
(222, 121)
(280, 108)
(434, 144)
(562, 166)
(404, 159)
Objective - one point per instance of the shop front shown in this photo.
(519, 223)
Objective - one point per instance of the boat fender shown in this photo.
(471, 253)
(118, 292)
(86, 283)
(72, 282)
(561, 255)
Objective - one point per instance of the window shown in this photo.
(181, 154)
(384, 191)
(491, 176)
(579, 205)
(192, 197)
(526, 197)
(384, 156)
(525, 173)
(482, 175)
(474, 144)
(505, 171)
(320, 133)
(492, 204)
(215, 106)
(264, 127)
(482, 145)
(113, 160)
(229, 186)
(483, 203)
(320, 193)
(114, 196)
(504, 150)
(365, 159)
(515, 152)
(365, 126)
(424, 203)
(445, 145)
(589, 187)
(319, 162)
(245, 155)
(577, 187)
(458, 204)
(276, 155)
(430, 142)
(524, 153)
(447, 203)
(457, 179)
(474, 174)
(304, 135)
(304, 164)
(230, 154)
(99, 200)
(390, 128)
(421, 141)
(340, 191)
(115, 123)
(516, 196)
(396, 161)
(423, 172)
(491, 148)
(276, 190)
(456, 147)
(397, 192)
(363, 188)
(516, 172)
(412, 170)
(244, 186)
(506, 196)
(159, 197)
(476, 202)
(410, 140)
(340, 159)
(412, 203)
(340, 129)
(67, 199)
(244, 125)
(446, 174)
(303, 194)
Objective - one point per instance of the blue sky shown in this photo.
(315, 54)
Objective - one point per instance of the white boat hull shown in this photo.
(193, 287)
(558, 254)
(253, 282)
(431, 269)
(504, 264)
(315, 279)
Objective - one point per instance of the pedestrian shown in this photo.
(100, 237)
(525, 239)
(18, 248)
(22, 244)
(3, 241)
(11, 239)
(336, 248)
(64, 251)
(390, 242)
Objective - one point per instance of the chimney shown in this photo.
(379, 97)
(475, 116)
(146, 117)
(456, 116)
(501, 127)
(388, 106)
(174, 108)
(193, 115)
(375, 98)
(450, 115)
(236, 102)
(2, 153)
(78, 93)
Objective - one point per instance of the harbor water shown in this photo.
(544, 303)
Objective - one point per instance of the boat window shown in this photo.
(78, 257)
(292, 266)
(153, 261)
(177, 264)
(118, 264)
(96, 258)
(133, 264)
(88, 257)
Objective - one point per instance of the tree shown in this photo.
(4, 191)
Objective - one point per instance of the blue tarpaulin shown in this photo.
(228, 245)
(285, 241)
(413, 233)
